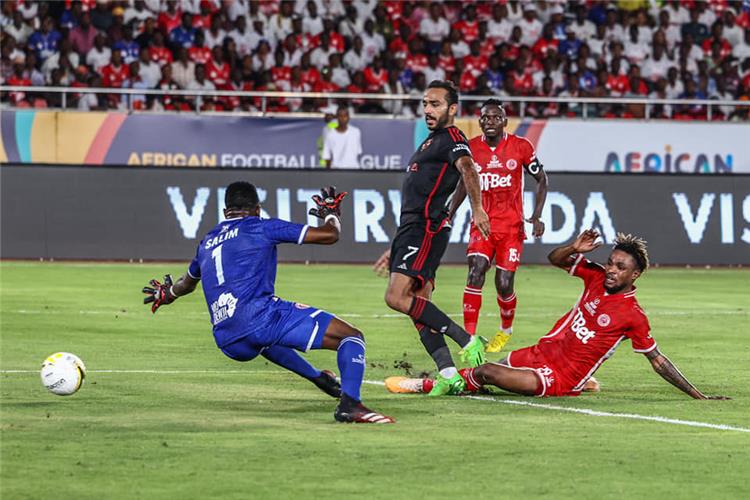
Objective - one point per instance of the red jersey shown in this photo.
(476, 65)
(469, 30)
(199, 55)
(310, 76)
(281, 73)
(167, 22)
(501, 180)
(217, 73)
(375, 80)
(113, 76)
(588, 335)
(161, 55)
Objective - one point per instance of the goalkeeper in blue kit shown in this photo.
(236, 262)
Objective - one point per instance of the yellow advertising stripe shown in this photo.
(75, 133)
(44, 137)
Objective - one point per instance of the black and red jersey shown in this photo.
(431, 178)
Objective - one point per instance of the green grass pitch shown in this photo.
(194, 424)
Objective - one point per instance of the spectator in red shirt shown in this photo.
(159, 53)
(469, 26)
(325, 84)
(717, 37)
(309, 74)
(521, 81)
(399, 46)
(375, 75)
(636, 85)
(17, 79)
(199, 53)
(170, 18)
(116, 72)
(236, 83)
(445, 58)
(280, 72)
(217, 70)
(547, 44)
(475, 62)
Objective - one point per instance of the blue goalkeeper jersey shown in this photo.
(236, 262)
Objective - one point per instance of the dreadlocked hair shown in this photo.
(635, 247)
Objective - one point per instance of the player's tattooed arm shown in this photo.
(564, 256)
(470, 179)
(669, 372)
(536, 170)
(459, 195)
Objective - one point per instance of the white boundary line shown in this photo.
(582, 411)
(540, 313)
(596, 413)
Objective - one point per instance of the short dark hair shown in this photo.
(493, 102)
(447, 85)
(241, 195)
(635, 247)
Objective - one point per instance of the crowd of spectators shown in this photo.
(660, 49)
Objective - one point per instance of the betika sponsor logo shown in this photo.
(669, 162)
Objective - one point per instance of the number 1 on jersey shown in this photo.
(216, 255)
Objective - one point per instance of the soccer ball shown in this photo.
(63, 373)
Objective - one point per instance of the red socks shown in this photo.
(507, 310)
(472, 304)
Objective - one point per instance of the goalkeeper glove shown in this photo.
(158, 293)
(329, 203)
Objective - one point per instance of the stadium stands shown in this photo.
(629, 48)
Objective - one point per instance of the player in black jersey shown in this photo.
(422, 237)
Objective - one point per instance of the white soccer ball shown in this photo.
(63, 373)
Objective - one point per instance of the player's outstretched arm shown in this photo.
(562, 257)
(329, 210)
(470, 179)
(161, 294)
(669, 372)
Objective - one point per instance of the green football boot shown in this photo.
(473, 353)
(447, 386)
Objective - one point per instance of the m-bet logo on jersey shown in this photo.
(591, 306)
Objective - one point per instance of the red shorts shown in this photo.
(504, 248)
(552, 381)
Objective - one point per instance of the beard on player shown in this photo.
(436, 122)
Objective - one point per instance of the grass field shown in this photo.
(164, 414)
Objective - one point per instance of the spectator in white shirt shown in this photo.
(635, 51)
(434, 28)
(675, 86)
(373, 42)
(582, 27)
(498, 27)
(312, 23)
(531, 27)
(742, 50)
(215, 36)
(598, 43)
(263, 59)
(183, 69)
(732, 33)
(615, 31)
(355, 58)
(671, 32)
(280, 24)
(237, 9)
(343, 145)
(459, 48)
(433, 71)
(393, 87)
(292, 55)
(656, 66)
(320, 56)
(339, 74)
(351, 25)
(645, 33)
(678, 15)
(56, 60)
(19, 30)
(243, 37)
(149, 71)
(137, 12)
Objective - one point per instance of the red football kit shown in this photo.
(501, 180)
(586, 336)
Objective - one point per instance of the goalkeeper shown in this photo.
(236, 261)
